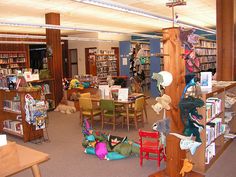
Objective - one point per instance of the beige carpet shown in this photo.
(67, 158)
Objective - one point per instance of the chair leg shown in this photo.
(145, 111)
(136, 121)
(114, 122)
(102, 121)
(81, 117)
(159, 160)
(141, 159)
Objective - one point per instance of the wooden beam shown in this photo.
(226, 40)
(53, 39)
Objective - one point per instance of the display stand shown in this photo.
(174, 64)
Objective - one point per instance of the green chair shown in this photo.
(109, 113)
(87, 109)
(136, 112)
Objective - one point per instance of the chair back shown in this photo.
(85, 95)
(139, 104)
(108, 105)
(147, 134)
(85, 103)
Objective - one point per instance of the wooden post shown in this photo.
(226, 40)
(53, 38)
(174, 63)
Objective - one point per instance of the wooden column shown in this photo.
(53, 39)
(226, 39)
(174, 63)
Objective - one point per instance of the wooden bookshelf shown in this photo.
(29, 132)
(219, 142)
(12, 60)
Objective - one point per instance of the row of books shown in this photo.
(12, 106)
(205, 51)
(206, 59)
(210, 152)
(213, 107)
(214, 129)
(206, 66)
(13, 125)
(10, 55)
(210, 44)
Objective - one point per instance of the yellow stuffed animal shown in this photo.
(187, 167)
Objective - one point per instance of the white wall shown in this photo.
(81, 45)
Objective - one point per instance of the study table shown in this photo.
(126, 105)
(15, 158)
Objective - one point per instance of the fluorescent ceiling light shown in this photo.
(59, 27)
(23, 36)
(137, 11)
(21, 42)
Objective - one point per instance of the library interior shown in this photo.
(148, 87)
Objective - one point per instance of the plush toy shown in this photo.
(159, 80)
(66, 109)
(74, 83)
(162, 103)
(189, 115)
(107, 146)
(187, 167)
(66, 84)
(186, 143)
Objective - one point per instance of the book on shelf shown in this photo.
(13, 125)
(213, 107)
(213, 130)
(210, 152)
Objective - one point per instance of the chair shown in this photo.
(136, 112)
(150, 148)
(85, 95)
(109, 113)
(87, 109)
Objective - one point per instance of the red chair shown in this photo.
(150, 148)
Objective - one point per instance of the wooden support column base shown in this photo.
(163, 174)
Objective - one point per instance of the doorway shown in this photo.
(73, 62)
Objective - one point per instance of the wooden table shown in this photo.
(15, 158)
(126, 105)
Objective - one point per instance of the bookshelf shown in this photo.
(12, 115)
(47, 91)
(213, 141)
(206, 52)
(105, 62)
(11, 61)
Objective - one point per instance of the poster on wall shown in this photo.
(124, 61)
(206, 80)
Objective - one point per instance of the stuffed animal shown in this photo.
(66, 109)
(159, 80)
(162, 103)
(187, 167)
(107, 146)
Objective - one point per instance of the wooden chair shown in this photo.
(87, 109)
(150, 148)
(136, 112)
(109, 113)
(85, 95)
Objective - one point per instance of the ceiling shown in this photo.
(80, 15)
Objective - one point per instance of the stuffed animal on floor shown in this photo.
(65, 109)
(162, 103)
(107, 146)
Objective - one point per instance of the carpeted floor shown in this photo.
(67, 158)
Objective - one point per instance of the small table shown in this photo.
(18, 158)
